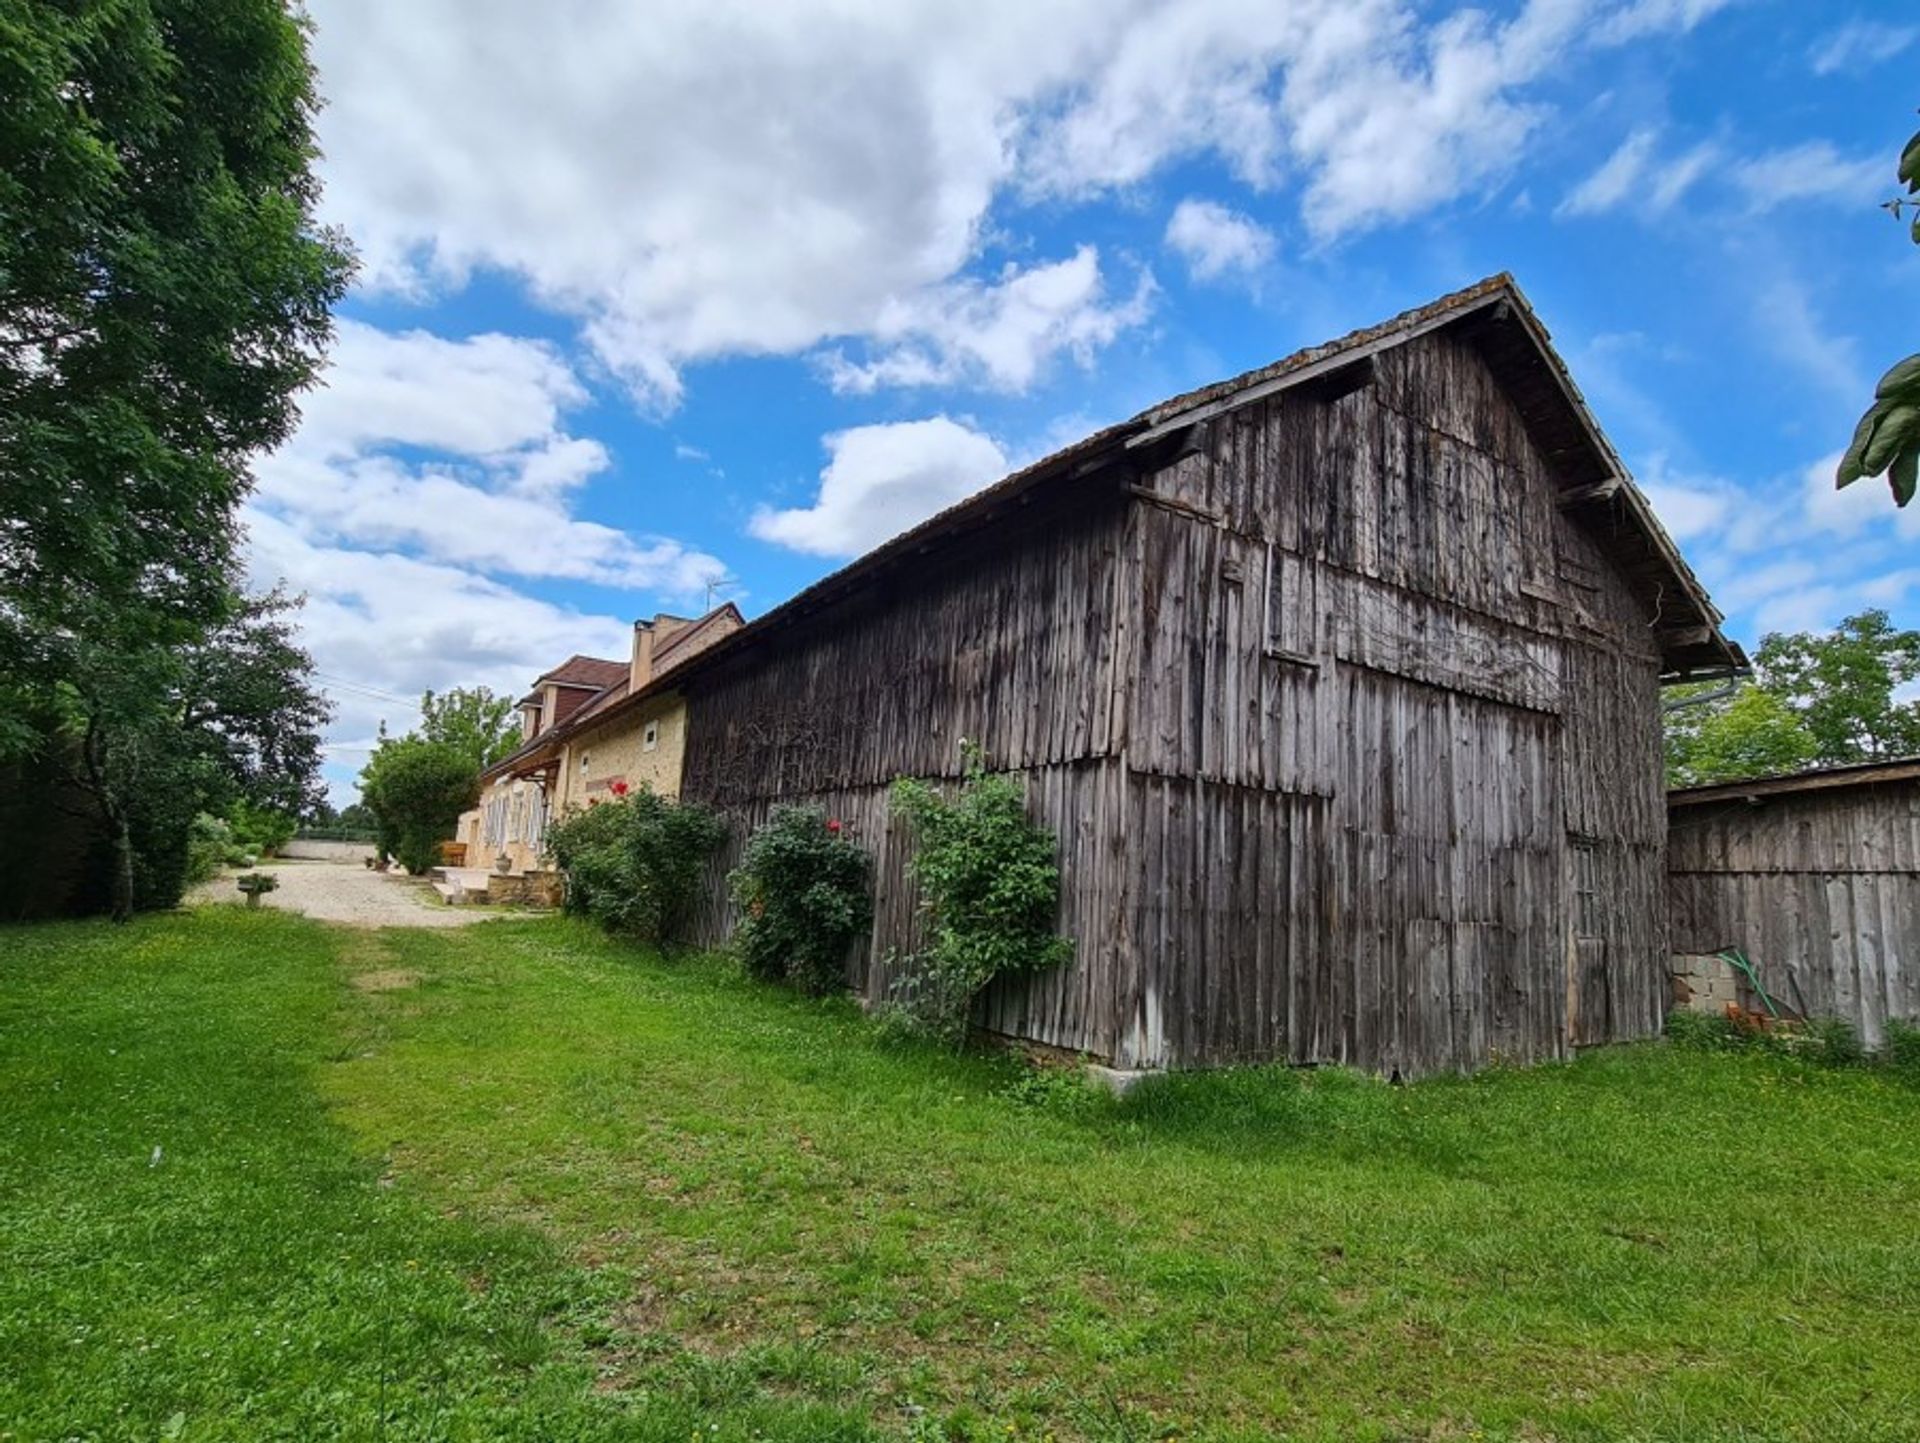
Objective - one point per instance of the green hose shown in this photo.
(1739, 959)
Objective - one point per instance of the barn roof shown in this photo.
(1818, 779)
(1596, 488)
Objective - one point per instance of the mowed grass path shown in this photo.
(518, 1181)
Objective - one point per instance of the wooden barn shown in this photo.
(1338, 683)
(1815, 878)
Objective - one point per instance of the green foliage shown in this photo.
(164, 296)
(1887, 440)
(209, 841)
(472, 719)
(635, 864)
(1821, 1041)
(991, 888)
(1751, 734)
(367, 1220)
(804, 892)
(1816, 700)
(1901, 1050)
(1843, 686)
(261, 830)
(417, 790)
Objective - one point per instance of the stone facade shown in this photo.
(642, 748)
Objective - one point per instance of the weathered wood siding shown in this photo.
(1394, 742)
(1010, 643)
(1349, 733)
(1820, 886)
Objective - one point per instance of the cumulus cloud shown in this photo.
(425, 476)
(702, 178)
(493, 495)
(1217, 242)
(882, 480)
(998, 335)
(388, 623)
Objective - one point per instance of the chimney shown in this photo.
(641, 671)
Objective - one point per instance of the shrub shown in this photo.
(1901, 1051)
(803, 889)
(991, 888)
(417, 790)
(261, 830)
(209, 840)
(634, 864)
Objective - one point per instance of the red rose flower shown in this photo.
(833, 826)
(619, 789)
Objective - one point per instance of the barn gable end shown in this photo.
(1338, 684)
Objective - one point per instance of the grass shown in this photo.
(518, 1181)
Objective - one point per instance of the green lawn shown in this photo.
(264, 1179)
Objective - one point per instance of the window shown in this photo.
(650, 738)
(583, 763)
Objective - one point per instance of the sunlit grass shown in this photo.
(697, 1202)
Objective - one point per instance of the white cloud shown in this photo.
(997, 335)
(1634, 176)
(700, 178)
(481, 396)
(1866, 507)
(1787, 323)
(882, 480)
(1859, 45)
(1216, 242)
(1616, 179)
(1638, 178)
(491, 409)
(399, 625)
(1813, 171)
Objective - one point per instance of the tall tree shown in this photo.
(1887, 440)
(473, 720)
(164, 296)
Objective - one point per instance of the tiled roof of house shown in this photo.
(592, 672)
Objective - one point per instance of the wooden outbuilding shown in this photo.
(1338, 682)
(1815, 878)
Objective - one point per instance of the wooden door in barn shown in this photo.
(1589, 1010)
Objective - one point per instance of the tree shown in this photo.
(1842, 686)
(153, 736)
(1753, 734)
(1887, 440)
(417, 788)
(164, 297)
(472, 719)
(1816, 700)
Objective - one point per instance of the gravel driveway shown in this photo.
(357, 896)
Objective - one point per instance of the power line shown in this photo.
(357, 688)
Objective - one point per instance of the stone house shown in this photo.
(591, 727)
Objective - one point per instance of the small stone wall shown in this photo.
(525, 889)
(1704, 982)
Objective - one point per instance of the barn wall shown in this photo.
(1010, 643)
(1393, 749)
(1349, 733)
(1822, 887)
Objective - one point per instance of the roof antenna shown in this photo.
(717, 584)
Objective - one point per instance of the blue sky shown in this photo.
(654, 297)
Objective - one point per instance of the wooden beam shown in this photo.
(1586, 495)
